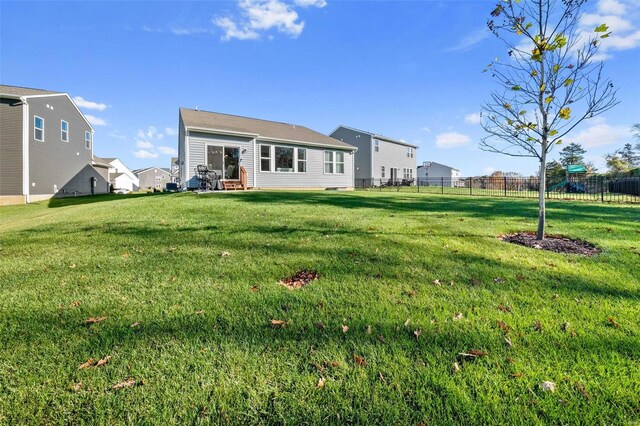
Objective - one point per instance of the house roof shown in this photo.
(439, 164)
(116, 175)
(263, 129)
(378, 136)
(25, 91)
(146, 169)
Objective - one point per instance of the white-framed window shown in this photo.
(265, 158)
(283, 159)
(38, 128)
(409, 152)
(87, 140)
(302, 160)
(64, 131)
(382, 172)
(376, 145)
(334, 162)
(404, 173)
(410, 173)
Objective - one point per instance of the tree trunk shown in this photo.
(541, 197)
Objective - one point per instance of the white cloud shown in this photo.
(426, 129)
(470, 40)
(145, 154)
(264, 15)
(622, 18)
(83, 103)
(95, 121)
(144, 144)
(307, 3)
(166, 150)
(170, 131)
(151, 133)
(600, 134)
(473, 118)
(488, 170)
(451, 140)
(190, 31)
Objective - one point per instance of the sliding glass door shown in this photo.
(224, 160)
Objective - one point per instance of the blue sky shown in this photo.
(406, 69)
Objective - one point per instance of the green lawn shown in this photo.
(204, 350)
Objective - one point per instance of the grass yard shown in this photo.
(190, 325)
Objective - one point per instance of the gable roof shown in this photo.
(25, 91)
(439, 164)
(377, 136)
(147, 169)
(254, 127)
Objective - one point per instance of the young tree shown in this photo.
(548, 85)
(572, 154)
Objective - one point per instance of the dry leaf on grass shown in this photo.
(320, 384)
(456, 367)
(437, 282)
(225, 254)
(613, 322)
(278, 323)
(406, 323)
(504, 308)
(86, 364)
(458, 316)
(77, 386)
(499, 280)
(508, 342)
(517, 375)
(254, 288)
(92, 320)
(72, 266)
(548, 386)
(103, 361)
(503, 326)
(300, 279)
(582, 390)
(345, 328)
(473, 353)
(417, 333)
(368, 330)
(360, 362)
(126, 384)
(135, 325)
(75, 303)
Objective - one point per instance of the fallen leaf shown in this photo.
(417, 333)
(456, 367)
(504, 308)
(125, 255)
(613, 322)
(406, 323)
(300, 279)
(72, 266)
(582, 390)
(278, 323)
(474, 353)
(335, 364)
(368, 329)
(320, 384)
(345, 328)
(172, 249)
(564, 327)
(75, 303)
(77, 386)
(225, 254)
(126, 384)
(436, 282)
(507, 341)
(537, 326)
(86, 364)
(517, 374)
(135, 324)
(412, 293)
(92, 320)
(320, 325)
(548, 386)
(503, 326)
(103, 361)
(361, 362)
(458, 316)
(199, 313)
(254, 288)
(499, 280)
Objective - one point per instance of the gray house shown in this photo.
(153, 177)
(269, 154)
(432, 173)
(46, 148)
(379, 158)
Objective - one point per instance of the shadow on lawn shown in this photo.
(91, 199)
(471, 206)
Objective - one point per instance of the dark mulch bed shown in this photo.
(300, 279)
(556, 243)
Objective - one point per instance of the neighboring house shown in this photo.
(46, 148)
(432, 173)
(379, 158)
(120, 176)
(153, 177)
(175, 170)
(273, 154)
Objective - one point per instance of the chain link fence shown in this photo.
(592, 188)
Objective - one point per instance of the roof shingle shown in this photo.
(25, 91)
(262, 128)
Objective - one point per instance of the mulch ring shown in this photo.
(300, 279)
(556, 243)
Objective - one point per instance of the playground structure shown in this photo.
(573, 181)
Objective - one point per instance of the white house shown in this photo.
(120, 176)
(432, 173)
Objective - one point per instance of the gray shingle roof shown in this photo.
(377, 136)
(254, 126)
(25, 91)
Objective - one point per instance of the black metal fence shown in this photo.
(592, 188)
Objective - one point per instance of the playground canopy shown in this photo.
(576, 168)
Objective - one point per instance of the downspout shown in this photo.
(25, 150)
(255, 174)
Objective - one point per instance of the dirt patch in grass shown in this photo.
(556, 243)
(300, 279)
